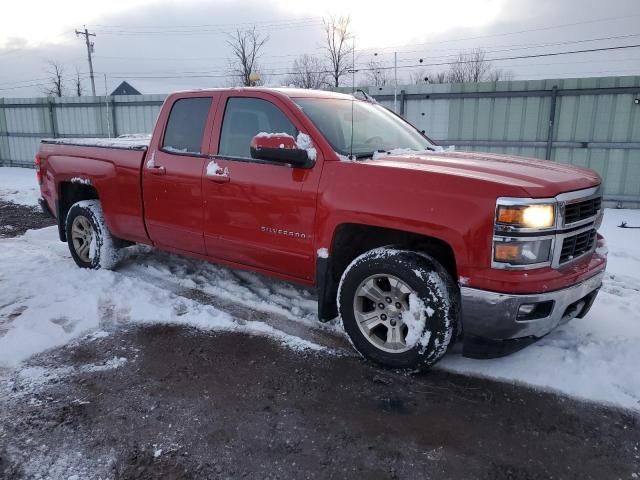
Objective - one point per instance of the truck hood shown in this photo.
(538, 178)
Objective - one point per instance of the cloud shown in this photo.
(13, 43)
(182, 44)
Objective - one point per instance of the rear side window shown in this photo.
(244, 118)
(185, 127)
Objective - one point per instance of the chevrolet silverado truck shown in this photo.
(412, 245)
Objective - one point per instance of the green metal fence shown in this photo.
(592, 122)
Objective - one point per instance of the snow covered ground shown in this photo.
(18, 185)
(50, 301)
(45, 301)
(595, 357)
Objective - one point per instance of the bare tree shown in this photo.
(56, 73)
(376, 74)
(471, 67)
(478, 66)
(499, 74)
(419, 77)
(245, 46)
(339, 52)
(77, 83)
(308, 71)
(438, 77)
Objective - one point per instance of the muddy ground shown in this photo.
(179, 403)
(170, 402)
(16, 219)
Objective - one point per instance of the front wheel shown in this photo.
(398, 307)
(90, 242)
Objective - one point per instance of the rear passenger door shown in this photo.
(262, 214)
(172, 175)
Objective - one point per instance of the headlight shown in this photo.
(526, 216)
(521, 252)
(523, 235)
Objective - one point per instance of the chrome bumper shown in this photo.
(494, 316)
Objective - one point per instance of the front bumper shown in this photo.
(491, 325)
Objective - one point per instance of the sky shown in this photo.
(160, 46)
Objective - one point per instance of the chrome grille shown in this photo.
(577, 245)
(578, 211)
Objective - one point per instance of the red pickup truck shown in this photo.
(412, 245)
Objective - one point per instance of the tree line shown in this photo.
(332, 68)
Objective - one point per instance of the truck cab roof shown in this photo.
(285, 91)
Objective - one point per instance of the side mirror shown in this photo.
(281, 148)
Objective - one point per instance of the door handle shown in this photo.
(220, 176)
(157, 170)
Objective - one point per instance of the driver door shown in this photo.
(260, 214)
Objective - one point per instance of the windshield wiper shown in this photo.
(363, 155)
(358, 156)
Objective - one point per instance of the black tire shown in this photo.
(428, 280)
(102, 251)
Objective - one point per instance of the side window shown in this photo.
(244, 118)
(185, 127)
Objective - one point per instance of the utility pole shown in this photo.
(89, 52)
(395, 81)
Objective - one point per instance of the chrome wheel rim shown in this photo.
(378, 305)
(81, 236)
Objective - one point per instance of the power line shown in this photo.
(527, 46)
(539, 29)
(383, 67)
(234, 24)
(495, 59)
(194, 32)
(41, 84)
(487, 49)
(222, 74)
(276, 65)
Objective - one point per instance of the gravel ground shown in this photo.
(173, 402)
(17, 219)
(179, 403)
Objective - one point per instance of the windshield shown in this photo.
(375, 129)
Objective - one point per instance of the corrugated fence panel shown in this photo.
(136, 118)
(28, 119)
(74, 119)
(25, 121)
(605, 118)
(596, 122)
(432, 116)
(23, 149)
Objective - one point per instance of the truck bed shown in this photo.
(127, 142)
(111, 166)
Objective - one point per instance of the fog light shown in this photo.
(526, 309)
(534, 311)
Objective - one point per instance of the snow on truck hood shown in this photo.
(536, 177)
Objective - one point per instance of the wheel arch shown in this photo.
(68, 194)
(351, 240)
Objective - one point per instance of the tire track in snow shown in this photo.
(314, 334)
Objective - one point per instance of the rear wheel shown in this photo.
(90, 242)
(398, 307)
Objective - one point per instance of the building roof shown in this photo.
(125, 89)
